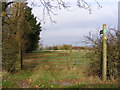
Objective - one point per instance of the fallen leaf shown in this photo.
(36, 86)
(51, 86)
(60, 80)
(43, 85)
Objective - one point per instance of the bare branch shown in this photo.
(98, 4)
(50, 5)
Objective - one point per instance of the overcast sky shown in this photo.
(72, 26)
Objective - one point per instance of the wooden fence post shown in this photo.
(21, 55)
(70, 56)
(70, 48)
(21, 58)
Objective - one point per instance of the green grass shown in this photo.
(46, 79)
(10, 80)
(92, 86)
(73, 77)
(52, 56)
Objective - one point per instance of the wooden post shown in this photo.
(21, 58)
(67, 62)
(21, 55)
(70, 49)
(70, 55)
(104, 62)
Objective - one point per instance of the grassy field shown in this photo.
(51, 74)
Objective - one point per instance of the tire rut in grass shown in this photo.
(23, 84)
(63, 83)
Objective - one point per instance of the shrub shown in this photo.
(66, 47)
(55, 47)
(113, 54)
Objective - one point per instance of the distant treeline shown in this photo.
(65, 47)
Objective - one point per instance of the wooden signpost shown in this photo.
(104, 62)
